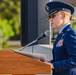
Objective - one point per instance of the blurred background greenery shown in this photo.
(9, 21)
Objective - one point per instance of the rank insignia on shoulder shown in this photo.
(60, 43)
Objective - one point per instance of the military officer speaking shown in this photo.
(64, 49)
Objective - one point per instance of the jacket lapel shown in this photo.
(62, 34)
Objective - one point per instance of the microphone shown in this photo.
(46, 33)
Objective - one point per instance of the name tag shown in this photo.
(60, 43)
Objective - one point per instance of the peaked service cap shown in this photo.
(55, 6)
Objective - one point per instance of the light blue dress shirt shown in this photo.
(63, 27)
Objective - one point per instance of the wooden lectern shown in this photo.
(17, 64)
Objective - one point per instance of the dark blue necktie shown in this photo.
(57, 39)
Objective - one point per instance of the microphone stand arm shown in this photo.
(28, 44)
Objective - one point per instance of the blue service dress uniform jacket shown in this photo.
(64, 52)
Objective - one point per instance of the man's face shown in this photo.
(56, 20)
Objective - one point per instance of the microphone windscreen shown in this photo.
(47, 33)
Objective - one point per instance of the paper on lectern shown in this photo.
(38, 56)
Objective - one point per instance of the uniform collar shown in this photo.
(63, 27)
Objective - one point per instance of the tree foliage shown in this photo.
(9, 18)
